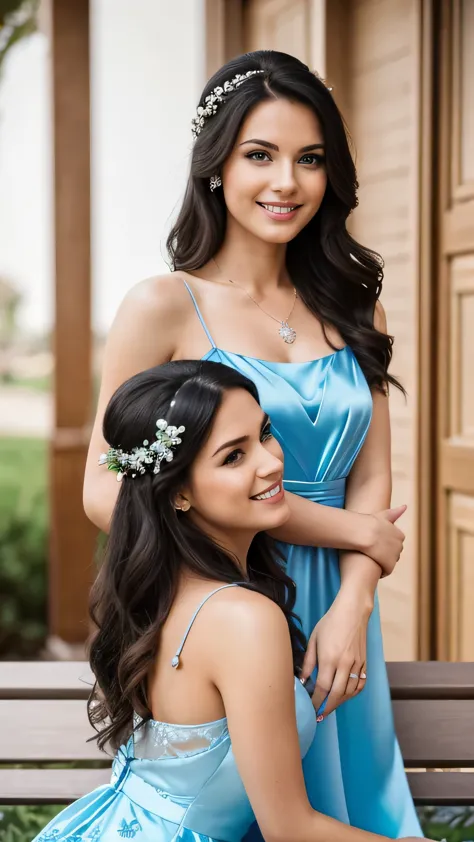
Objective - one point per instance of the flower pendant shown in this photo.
(287, 333)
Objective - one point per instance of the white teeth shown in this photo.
(276, 209)
(268, 494)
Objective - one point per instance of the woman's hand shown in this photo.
(383, 541)
(337, 646)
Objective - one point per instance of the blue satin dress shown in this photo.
(172, 782)
(320, 413)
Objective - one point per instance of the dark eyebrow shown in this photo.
(241, 439)
(269, 145)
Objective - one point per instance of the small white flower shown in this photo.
(103, 459)
(161, 424)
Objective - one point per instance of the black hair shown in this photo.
(338, 279)
(150, 543)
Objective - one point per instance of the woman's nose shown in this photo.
(271, 464)
(284, 180)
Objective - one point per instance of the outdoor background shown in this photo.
(94, 152)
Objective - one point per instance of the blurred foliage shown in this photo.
(36, 384)
(455, 824)
(17, 20)
(23, 546)
(22, 824)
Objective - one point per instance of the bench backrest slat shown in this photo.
(431, 680)
(45, 680)
(43, 713)
(442, 788)
(46, 730)
(436, 734)
(49, 786)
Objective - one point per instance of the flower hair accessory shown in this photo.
(216, 96)
(145, 459)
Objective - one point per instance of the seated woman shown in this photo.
(196, 651)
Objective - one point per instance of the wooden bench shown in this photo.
(43, 717)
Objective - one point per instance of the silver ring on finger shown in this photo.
(354, 675)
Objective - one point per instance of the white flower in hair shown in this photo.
(215, 97)
(148, 457)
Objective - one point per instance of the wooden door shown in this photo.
(283, 25)
(455, 457)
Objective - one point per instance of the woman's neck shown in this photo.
(255, 264)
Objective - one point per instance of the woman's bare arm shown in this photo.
(369, 487)
(251, 665)
(136, 341)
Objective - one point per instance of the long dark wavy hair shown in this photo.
(338, 279)
(150, 543)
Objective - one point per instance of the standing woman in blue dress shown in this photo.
(266, 279)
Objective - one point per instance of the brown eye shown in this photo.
(313, 159)
(253, 156)
(234, 457)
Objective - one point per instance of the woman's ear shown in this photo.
(181, 504)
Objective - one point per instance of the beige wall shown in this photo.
(383, 100)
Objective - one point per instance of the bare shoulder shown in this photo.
(243, 615)
(380, 319)
(155, 297)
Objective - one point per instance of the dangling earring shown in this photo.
(215, 181)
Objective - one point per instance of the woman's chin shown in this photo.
(279, 514)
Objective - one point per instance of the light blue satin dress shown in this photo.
(320, 413)
(172, 782)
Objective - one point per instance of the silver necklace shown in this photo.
(287, 333)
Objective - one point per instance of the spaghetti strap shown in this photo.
(199, 314)
(175, 660)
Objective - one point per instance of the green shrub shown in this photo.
(23, 546)
(22, 824)
(455, 824)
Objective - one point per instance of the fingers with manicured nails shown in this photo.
(353, 683)
(323, 685)
(310, 658)
(363, 678)
(338, 690)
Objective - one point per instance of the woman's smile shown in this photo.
(280, 211)
(273, 494)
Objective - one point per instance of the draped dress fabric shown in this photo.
(171, 782)
(320, 412)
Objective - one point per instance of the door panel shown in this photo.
(283, 25)
(455, 556)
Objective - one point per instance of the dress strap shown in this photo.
(175, 660)
(199, 314)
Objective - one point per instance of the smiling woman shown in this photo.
(268, 281)
(196, 652)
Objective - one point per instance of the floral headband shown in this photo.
(145, 459)
(219, 94)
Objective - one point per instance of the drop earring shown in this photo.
(215, 181)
